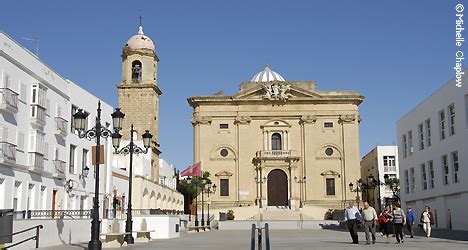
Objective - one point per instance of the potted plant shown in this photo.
(230, 215)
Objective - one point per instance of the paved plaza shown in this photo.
(296, 239)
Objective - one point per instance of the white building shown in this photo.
(380, 161)
(41, 156)
(433, 143)
(167, 174)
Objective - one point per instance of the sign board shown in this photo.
(101, 155)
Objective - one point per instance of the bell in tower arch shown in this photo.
(136, 71)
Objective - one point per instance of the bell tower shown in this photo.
(139, 93)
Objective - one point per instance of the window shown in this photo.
(6, 80)
(455, 169)
(39, 95)
(410, 142)
(430, 165)
(20, 141)
(405, 146)
(389, 161)
(442, 124)
(407, 186)
(71, 166)
(224, 152)
(84, 160)
(445, 169)
(276, 142)
(329, 151)
(451, 113)
(223, 126)
(421, 136)
(22, 92)
(224, 184)
(412, 180)
(428, 133)
(328, 124)
(46, 151)
(423, 176)
(74, 109)
(330, 186)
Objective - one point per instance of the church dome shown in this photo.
(267, 75)
(140, 41)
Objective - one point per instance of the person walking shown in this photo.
(352, 216)
(399, 220)
(427, 219)
(369, 217)
(410, 218)
(385, 218)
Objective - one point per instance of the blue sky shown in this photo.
(395, 53)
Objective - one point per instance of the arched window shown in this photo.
(276, 142)
(136, 71)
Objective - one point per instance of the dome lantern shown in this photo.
(267, 75)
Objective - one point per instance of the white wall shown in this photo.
(442, 197)
(55, 232)
(164, 226)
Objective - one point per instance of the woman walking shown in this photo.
(427, 220)
(399, 220)
(385, 218)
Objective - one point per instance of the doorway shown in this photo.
(277, 188)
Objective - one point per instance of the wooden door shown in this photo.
(277, 188)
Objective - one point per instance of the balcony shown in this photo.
(61, 126)
(59, 171)
(8, 100)
(36, 162)
(38, 115)
(277, 155)
(390, 169)
(7, 153)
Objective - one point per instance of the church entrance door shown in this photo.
(277, 188)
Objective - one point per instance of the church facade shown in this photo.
(278, 143)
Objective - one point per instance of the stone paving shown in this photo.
(296, 239)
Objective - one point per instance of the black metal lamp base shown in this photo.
(94, 245)
(129, 238)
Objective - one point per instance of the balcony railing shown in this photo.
(389, 168)
(36, 161)
(51, 214)
(8, 100)
(277, 154)
(61, 126)
(7, 153)
(60, 167)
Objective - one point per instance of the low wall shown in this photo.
(71, 231)
(164, 226)
(55, 232)
(278, 224)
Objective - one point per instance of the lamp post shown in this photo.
(210, 189)
(95, 133)
(301, 182)
(260, 181)
(189, 180)
(357, 190)
(202, 187)
(131, 149)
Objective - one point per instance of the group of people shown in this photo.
(388, 220)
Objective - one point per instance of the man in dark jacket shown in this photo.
(410, 217)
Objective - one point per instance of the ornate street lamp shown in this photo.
(301, 182)
(96, 132)
(356, 190)
(131, 149)
(202, 187)
(189, 180)
(210, 189)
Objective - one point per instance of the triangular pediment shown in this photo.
(275, 91)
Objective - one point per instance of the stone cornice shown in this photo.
(308, 119)
(196, 119)
(243, 120)
(347, 118)
(140, 86)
